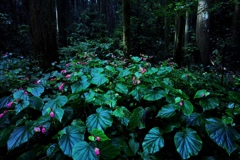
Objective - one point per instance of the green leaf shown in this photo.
(138, 92)
(99, 79)
(59, 102)
(136, 119)
(201, 93)
(4, 101)
(187, 107)
(153, 141)
(52, 150)
(4, 134)
(99, 133)
(19, 136)
(41, 120)
(227, 120)
(124, 73)
(108, 151)
(120, 112)
(209, 103)
(70, 135)
(89, 96)
(222, 134)
(133, 145)
(21, 106)
(121, 88)
(234, 96)
(110, 68)
(101, 120)
(83, 151)
(154, 95)
(136, 59)
(20, 95)
(188, 143)
(168, 110)
(195, 119)
(35, 89)
(81, 85)
(36, 103)
(59, 112)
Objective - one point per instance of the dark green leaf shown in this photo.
(201, 93)
(21, 106)
(168, 111)
(59, 102)
(36, 103)
(83, 151)
(108, 151)
(136, 119)
(188, 143)
(81, 85)
(35, 89)
(209, 103)
(99, 79)
(121, 88)
(187, 107)
(222, 134)
(70, 135)
(195, 119)
(101, 120)
(19, 136)
(234, 96)
(153, 141)
(154, 95)
(4, 134)
(133, 145)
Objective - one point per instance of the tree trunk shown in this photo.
(202, 31)
(166, 29)
(62, 34)
(126, 28)
(178, 40)
(236, 22)
(43, 32)
(186, 36)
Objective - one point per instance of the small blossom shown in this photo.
(64, 71)
(37, 129)
(143, 70)
(9, 104)
(38, 81)
(97, 151)
(44, 130)
(180, 103)
(26, 93)
(61, 87)
(68, 76)
(1, 115)
(98, 138)
(51, 114)
(203, 95)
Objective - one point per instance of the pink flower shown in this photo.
(68, 76)
(97, 151)
(61, 86)
(9, 104)
(26, 93)
(37, 129)
(43, 130)
(180, 103)
(64, 71)
(1, 115)
(203, 95)
(98, 138)
(143, 70)
(52, 114)
(135, 81)
(38, 81)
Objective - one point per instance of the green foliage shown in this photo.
(122, 110)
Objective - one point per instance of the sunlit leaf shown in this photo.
(83, 151)
(35, 89)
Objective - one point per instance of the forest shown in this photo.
(119, 79)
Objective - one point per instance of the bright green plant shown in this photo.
(126, 109)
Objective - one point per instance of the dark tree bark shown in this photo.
(178, 40)
(43, 32)
(202, 31)
(62, 33)
(126, 28)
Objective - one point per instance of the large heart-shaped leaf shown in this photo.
(20, 95)
(153, 141)
(222, 134)
(209, 103)
(121, 88)
(83, 151)
(60, 101)
(4, 134)
(138, 92)
(19, 136)
(99, 79)
(188, 143)
(101, 120)
(195, 119)
(168, 111)
(36, 103)
(70, 135)
(35, 89)
(154, 95)
(81, 85)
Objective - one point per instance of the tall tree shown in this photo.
(61, 22)
(126, 28)
(202, 31)
(43, 32)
